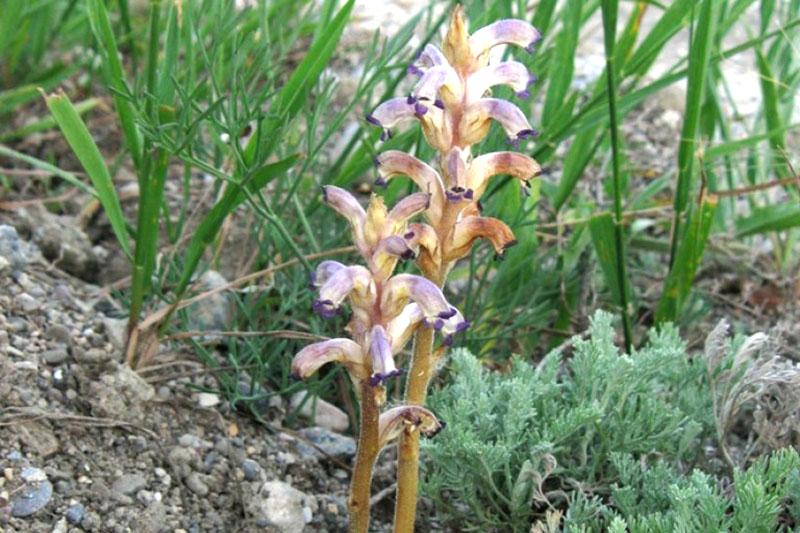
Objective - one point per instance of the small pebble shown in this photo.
(196, 484)
(129, 484)
(55, 356)
(75, 514)
(34, 497)
(251, 469)
(27, 303)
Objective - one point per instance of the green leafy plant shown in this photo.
(608, 439)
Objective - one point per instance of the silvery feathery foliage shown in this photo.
(522, 446)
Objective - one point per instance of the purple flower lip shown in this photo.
(532, 45)
(312, 280)
(448, 314)
(463, 326)
(420, 109)
(325, 308)
(409, 235)
(382, 183)
(448, 340)
(411, 99)
(376, 161)
(438, 103)
(524, 95)
(458, 193)
(414, 70)
(438, 324)
(408, 255)
(379, 378)
(529, 133)
(374, 121)
(386, 135)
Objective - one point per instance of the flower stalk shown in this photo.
(452, 103)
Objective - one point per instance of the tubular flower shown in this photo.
(453, 102)
(454, 89)
(409, 419)
(379, 327)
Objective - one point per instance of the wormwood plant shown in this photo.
(604, 440)
(451, 104)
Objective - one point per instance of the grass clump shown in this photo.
(601, 441)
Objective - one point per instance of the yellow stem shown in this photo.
(405, 510)
(368, 449)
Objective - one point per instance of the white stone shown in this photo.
(207, 399)
(320, 412)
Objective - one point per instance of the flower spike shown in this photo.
(452, 101)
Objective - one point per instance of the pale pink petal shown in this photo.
(314, 356)
(383, 366)
(387, 253)
(323, 273)
(457, 176)
(476, 121)
(440, 81)
(393, 163)
(511, 73)
(353, 281)
(508, 31)
(402, 287)
(471, 228)
(346, 205)
(411, 205)
(402, 326)
(513, 164)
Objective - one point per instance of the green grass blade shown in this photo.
(669, 23)
(737, 145)
(700, 52)
(69, 177)
(561, 71)
(81, 142)
(690, 254)
(290, 99)
(603, 231)
(772, 116)
(773, 218)
(147, 228)
(115, 77)
(609, 12)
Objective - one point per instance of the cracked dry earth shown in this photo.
(86, 444)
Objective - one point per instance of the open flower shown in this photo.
(378, 232)
(408, 419)
(343, 351)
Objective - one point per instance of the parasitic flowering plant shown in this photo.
(452, 102)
